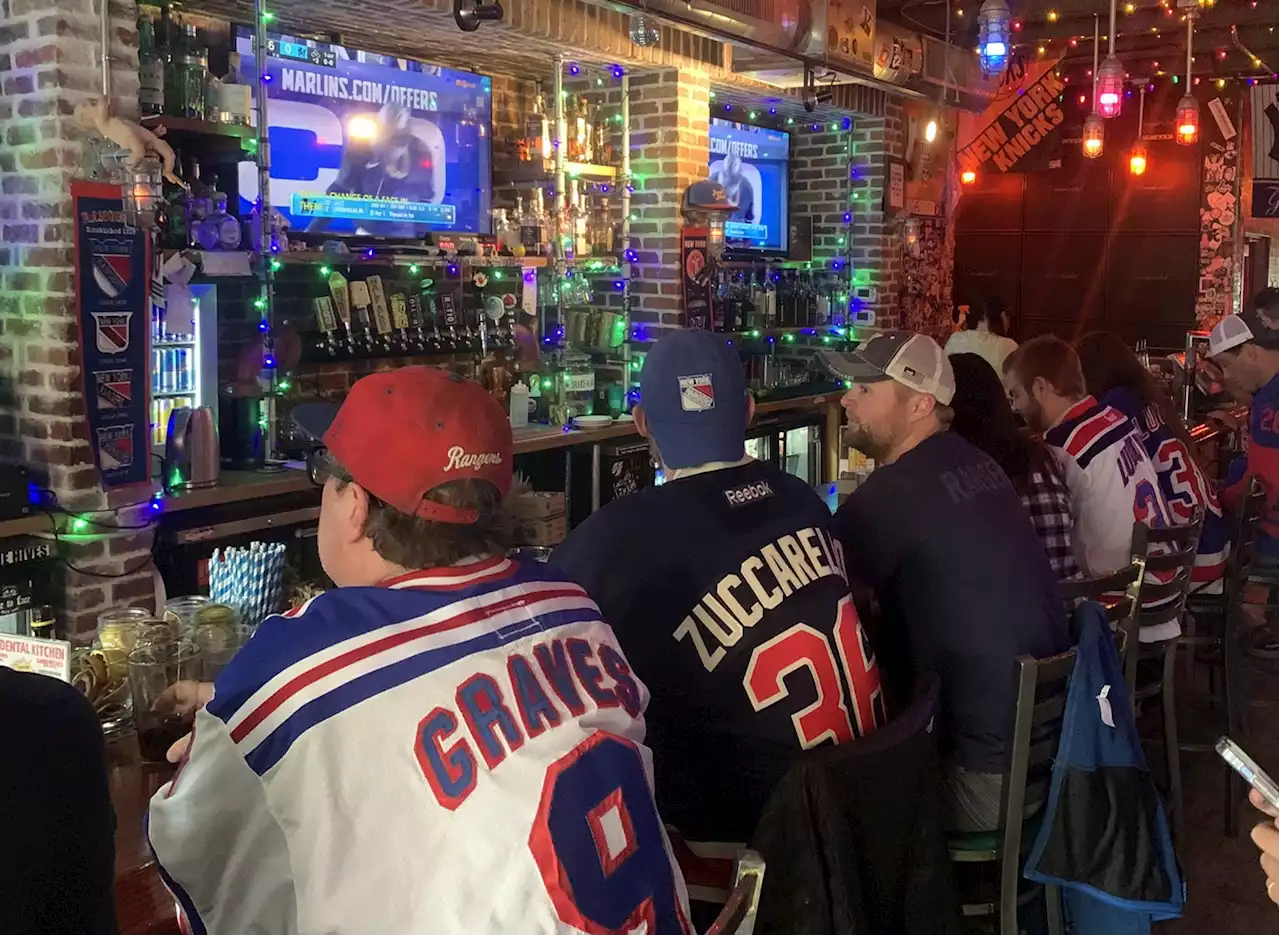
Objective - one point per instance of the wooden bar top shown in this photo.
(143, 905)
(239, 486)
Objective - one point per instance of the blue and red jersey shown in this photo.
(1182, 482)
(1261, 461)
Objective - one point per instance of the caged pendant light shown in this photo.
(994, 41)
(1091, 139)
(1186, 118)
(1138, 155)
(1109, 78)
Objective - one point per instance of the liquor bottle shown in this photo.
(602, 229)
(199, 203)
(572, 146)
(603, 139)
(587, 132)
(577, 220)
(195, 84)
(175, 72)
(150, 69)
(537, 133)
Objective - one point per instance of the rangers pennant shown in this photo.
(112, 331)
(114, 388)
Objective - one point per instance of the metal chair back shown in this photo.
(1037, 728)
(1038, 714)
(738, 917)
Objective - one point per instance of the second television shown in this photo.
(752, 164)
(369, 144)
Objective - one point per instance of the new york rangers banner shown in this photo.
(111, 300)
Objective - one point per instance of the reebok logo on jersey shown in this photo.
(748, 493)
(461, 460)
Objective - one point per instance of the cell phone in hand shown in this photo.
(1243, 764)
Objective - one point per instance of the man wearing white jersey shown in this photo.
(449, 741)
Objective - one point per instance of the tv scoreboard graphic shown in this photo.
(112, 292)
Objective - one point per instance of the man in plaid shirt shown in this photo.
(1048, 500)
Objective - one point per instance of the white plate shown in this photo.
(591, 422)
(625, 417)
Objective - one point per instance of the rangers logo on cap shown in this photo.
(697, 393)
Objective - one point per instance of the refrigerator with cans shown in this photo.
(184, 357)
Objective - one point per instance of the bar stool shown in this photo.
(1171, 556)
(1219, 615)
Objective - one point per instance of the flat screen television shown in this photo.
(367, 144)
(752, 164)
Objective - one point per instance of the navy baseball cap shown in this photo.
(694, 394)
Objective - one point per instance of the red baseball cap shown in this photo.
(402, 433)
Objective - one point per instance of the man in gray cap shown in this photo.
(940, 536)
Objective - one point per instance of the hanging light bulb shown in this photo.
(993, 36)
(1138, 158)
(1186, 117)
(968, 177)
(1092, 141)
(931, 130)
(1110, 87)
(1186, 121)
(1138, 155)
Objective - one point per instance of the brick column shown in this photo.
(670, 119)
(820, 186)
(49, 62)
(876, 250)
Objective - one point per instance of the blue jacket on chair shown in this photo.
(1104, 838)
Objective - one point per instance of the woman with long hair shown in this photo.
(985, 420)
(1115, 376)
(985, 333)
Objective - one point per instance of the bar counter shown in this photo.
(238, 486)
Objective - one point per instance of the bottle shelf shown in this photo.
(533, 173)
(157, 344)
(315, 257)
(184, 126)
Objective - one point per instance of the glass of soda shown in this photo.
(155, 665)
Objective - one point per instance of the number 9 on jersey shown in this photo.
(599, 843)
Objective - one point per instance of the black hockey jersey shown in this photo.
(728, 594)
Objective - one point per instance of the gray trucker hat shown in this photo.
(914, 360)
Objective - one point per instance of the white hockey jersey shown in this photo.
(458, 751)
(1112, 483)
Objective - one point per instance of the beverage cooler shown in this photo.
(187, 540)
(184, 357)
(793, 444)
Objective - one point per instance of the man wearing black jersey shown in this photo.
(728, 594)
(963, 582)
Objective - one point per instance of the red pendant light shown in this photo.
(1108, 82)
(1186, 119)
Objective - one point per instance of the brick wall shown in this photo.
(49, 55)
(670, 114)
(876, 243)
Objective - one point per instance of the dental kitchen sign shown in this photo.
(1012, 132)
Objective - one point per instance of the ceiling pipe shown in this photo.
(700, 25)
(104, 24)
